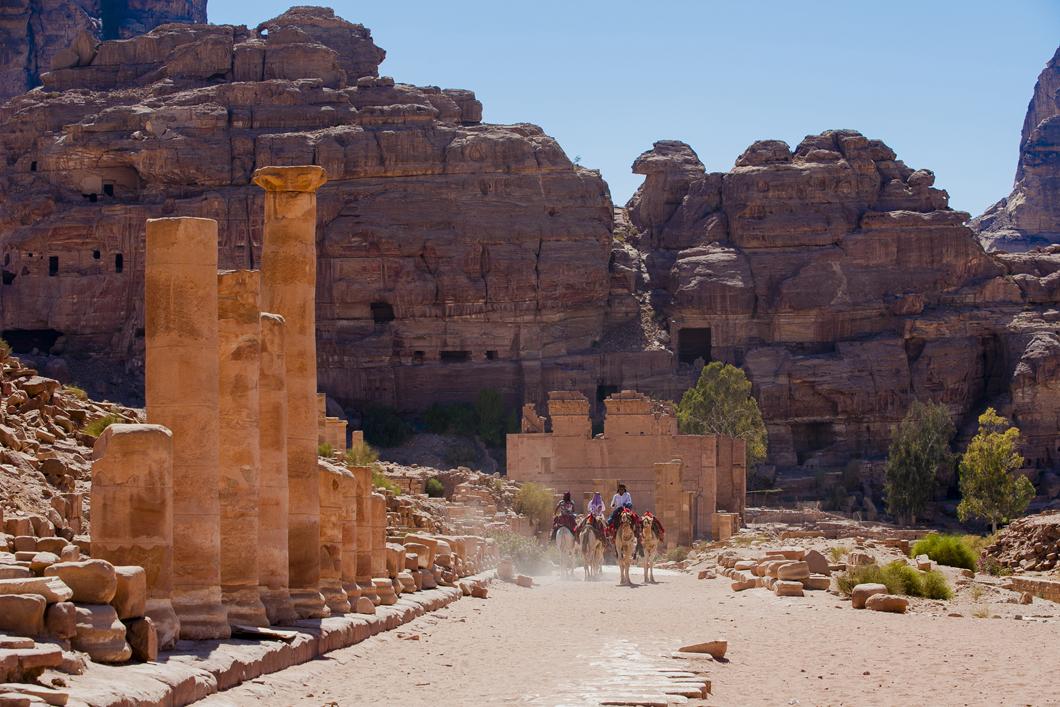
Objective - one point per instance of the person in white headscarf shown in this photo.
(596, 505)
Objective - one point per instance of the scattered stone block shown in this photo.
(364, 605)
(887, 602)
(44, 695)
(42, 561)
(506, 570)
(26, 664)
(51, 588)
(142, 637)
(22, 614)
(14, 572)
(793, 571)
(817, 562)
(130, 595)
(60, 620)
(101, 634)
(92, 581)
(24, 543)
(524, 581)
(479, 590)
(716, 649)
(856, 558)
(787, 588)
(52, 544)
(862, 592)
(817, 582)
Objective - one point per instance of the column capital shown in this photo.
(302, 178)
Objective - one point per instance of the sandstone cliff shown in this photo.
(36, 33)
(838, 277)
(1030, 215)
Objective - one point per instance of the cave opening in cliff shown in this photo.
(603, 391)
(417, 357)
(382, 312)
(808, 438)
(108, 188)
(113, 13)
(693, 343)
(53, 265)
(119, 263)
(26, 341)
(455, 356)
(491, 355)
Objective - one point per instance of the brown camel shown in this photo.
(625, 545)
(650, 544)
(592, 549)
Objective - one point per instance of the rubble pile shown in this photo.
(45, 451)
(1031, 543)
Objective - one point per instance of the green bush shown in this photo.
(899, 578)
(489, 409)
(949, 550)
(460, 453)
(361, 454)
(434, 488)
(535, 501)
(384, 427)
(451, 418)
(96, 427)
(382, 481)
(324, 449)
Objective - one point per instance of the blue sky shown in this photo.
(946, 84)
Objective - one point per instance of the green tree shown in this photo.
(489, 408)
(919, 450)
(991, 488)
(720, 403)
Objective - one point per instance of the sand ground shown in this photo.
(575, 642)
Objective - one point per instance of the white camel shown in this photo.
(625, 545)
(566, 547)
(649, 542)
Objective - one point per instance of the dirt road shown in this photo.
(572, 642)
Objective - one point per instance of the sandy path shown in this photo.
(574, 642)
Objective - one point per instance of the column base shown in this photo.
(309, 603)
(408, 582)
(367, 589)
(385, 590)
(334, 596)
(278, 606)
(244, 606)
(202, 615)
(161, 612)
(353, 592)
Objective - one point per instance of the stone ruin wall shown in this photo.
(640, 446)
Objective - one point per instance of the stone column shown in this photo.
(380, 577)
(239, 343)
(363, 536)
(331, 547)
(288, 261)
(349, 536)
(322, 416)
(272, 491)
(132, 512)
(182, 394)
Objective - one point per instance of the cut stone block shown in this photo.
(142, 638)
(862, 592)
(786, 588)
(92, 581)
(716, 649)
(22, 614)
(52, 589)
(887, 602)
(60, 620)
(130, 596)
(101, 634)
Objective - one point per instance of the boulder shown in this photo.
(817, 562)
(41, 561)
(862, 592)
(783, 588)
(143, 638)
(793, 571)
(92, 581)
(100, 634)
(22, 614)
(364, 605)
(130, 595)
(716, 649)
(51, 588)
(857, 558)
(60, 620)
(887, 602)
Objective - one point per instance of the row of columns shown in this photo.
(220, 496)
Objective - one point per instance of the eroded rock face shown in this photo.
(1030, 215)
(840, 280)
(38, 34)
(442, 240)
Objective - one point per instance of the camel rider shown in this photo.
(596, 505)
(620, 500)
(564, 515)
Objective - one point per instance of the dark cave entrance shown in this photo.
(693, 343)
(811, 437)
(24, 341)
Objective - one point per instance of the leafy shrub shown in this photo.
(949, 550)
(5, 350)
(460, 453)
(96, 427)
(838, 552)
(899, 578)
(434, 488)
(324, 449)
(451, 418)
(677, 554)
(384, 427)
(992, 566)
(528, 555)
(75, 392)
(361, 454)
(536, 503)
(489, 409)
(382, 481)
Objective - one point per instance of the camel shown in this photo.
(650, 544)
(625, 545)
(592, 549)
(566, 547)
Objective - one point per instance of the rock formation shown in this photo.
(1030, 215)
(844, 285)
(39, 35)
